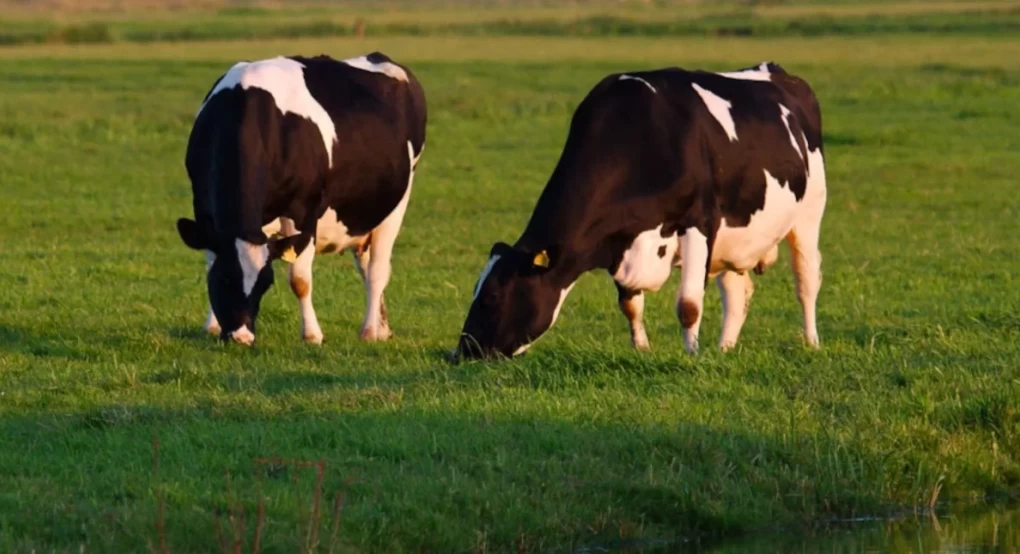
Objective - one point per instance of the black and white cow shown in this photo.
(293, 156)
(661, 167)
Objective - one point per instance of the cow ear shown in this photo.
(501, 249)
(288, 248)
(194, 236)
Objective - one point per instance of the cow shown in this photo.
(295, 156)
(665, 168)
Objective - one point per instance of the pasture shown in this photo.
(912, 399)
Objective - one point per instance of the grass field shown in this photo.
(915, 392)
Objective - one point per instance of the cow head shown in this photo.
(515, 302)
(240, 274)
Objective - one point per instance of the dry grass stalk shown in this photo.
(160, 500)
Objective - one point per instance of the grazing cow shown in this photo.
(661, 167)
(320, 153)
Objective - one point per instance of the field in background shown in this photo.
(913, 397)
(23, 24)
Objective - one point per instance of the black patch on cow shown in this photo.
(662, 251)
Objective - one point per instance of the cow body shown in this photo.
(661, 169)
(293, 156)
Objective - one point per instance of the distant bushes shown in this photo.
(234, 25)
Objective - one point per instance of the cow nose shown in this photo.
(468, 348)
(243, 336)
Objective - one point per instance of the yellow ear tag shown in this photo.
(289, 255)
(541, 259)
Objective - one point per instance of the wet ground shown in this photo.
(985, 531)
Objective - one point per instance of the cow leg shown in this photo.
(691, 297)
(300, 277)
(806, 260)
(632, 304)
(375, 326)
(212, 325)
(736, 290)
(362, 260)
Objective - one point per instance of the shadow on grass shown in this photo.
(415, 480)
(52, 345)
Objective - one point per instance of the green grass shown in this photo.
(583, 440)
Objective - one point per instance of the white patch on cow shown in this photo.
(243, 336)
(633, 78)
(485, 274)
(816, 169)
(284, 79)
(719, 108)
(760, 73)
(332, 235)
(252, 257)
(300, 277)
(735, 291)
(641, 267)
(695, 253)
(410, 154)
(786, 121)
(229, 80)
(741, 248)
(559, 306)
(273, 227)
(691, 295)
(388, 69)
(803, 243)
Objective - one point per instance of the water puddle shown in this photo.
(995, 531)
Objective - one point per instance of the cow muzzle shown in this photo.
(467, 349)
(241, 335)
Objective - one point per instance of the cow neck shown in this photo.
(558, 224)
(568, 266)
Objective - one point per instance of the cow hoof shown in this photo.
(642, 346)
(312, 338)
(727, 346)
(213, 330)
(376, 335)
